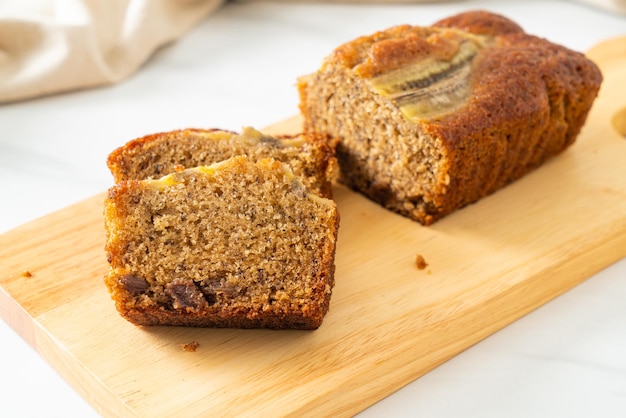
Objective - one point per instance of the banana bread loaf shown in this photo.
(234, 244)
(430, 119)
(153, 156)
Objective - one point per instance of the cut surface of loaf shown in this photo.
(310, 157)
(430, 119)
(234, 244)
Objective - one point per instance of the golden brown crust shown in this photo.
(396, 47)
(481, 22)
(527, 101)
(529, 104)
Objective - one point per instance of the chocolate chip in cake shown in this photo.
(185, 294)
(134, 284)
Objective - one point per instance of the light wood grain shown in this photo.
(389, 322)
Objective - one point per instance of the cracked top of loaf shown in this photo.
(386, 50)
(431, 71)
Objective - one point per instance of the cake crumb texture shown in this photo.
(234, 244)
(310, 157)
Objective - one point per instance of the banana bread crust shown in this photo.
(527, 100)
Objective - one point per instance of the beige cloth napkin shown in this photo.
(49, 46)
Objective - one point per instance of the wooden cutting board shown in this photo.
(389, 322)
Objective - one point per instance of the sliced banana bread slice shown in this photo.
(310, 157)
(233, 244)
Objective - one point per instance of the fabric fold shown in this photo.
(51, 46)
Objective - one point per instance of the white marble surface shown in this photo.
(566, 359)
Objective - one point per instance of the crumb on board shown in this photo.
(420, 262)
(27, 273)
(190, 347)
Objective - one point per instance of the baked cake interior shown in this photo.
(231, 244)
(156, 155)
